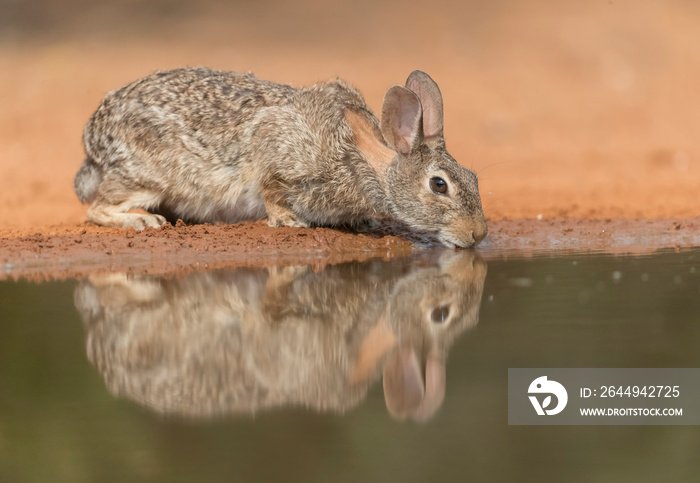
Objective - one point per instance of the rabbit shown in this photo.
(223, 147)
(244, 340)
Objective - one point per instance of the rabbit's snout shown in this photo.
(464, 235)
(480, 232)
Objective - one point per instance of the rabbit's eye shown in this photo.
(440, 314)
(438, 185)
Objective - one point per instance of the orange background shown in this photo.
(586, 109)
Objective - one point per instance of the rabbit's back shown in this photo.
(204, 109)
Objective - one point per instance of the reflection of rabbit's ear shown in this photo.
(430, 97)
(403, 383)
(401, 119)
(374, 346)
(434, 389)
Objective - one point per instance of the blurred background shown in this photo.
(564, 108)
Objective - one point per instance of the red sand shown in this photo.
(73, 251)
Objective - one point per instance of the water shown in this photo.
(374, 371)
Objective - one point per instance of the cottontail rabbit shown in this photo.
(210, 146)
(232, 342)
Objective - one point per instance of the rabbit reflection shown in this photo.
(243, 340)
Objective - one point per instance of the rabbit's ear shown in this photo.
(401, 119)
(430, 97)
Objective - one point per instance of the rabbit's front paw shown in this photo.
(280, 217)
(287, 221)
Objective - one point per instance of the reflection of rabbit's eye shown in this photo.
(440, 314)
(438, 185)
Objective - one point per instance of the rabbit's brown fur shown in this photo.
(210, 146)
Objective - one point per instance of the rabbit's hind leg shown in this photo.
(104, 213)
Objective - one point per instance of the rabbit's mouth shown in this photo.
(449, 241)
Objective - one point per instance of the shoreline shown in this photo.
(73, 251)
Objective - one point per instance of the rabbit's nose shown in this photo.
(480, 233)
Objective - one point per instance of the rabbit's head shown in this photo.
(429, 190)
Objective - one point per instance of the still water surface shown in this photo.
(364, 371)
